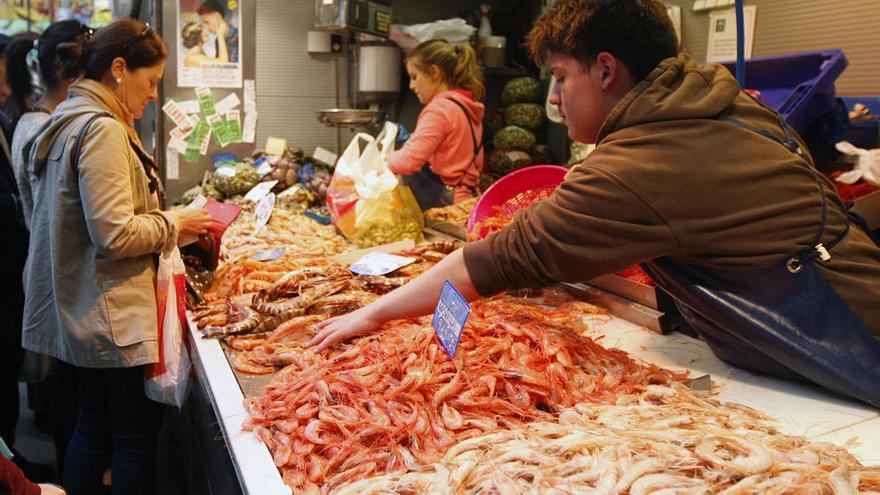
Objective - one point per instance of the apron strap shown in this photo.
(477, 146)
(819, 250)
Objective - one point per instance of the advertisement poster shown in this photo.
(209, 43)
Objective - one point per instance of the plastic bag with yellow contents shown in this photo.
(367, 203)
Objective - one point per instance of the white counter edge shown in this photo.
(253, 463)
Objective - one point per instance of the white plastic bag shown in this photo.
(868, 166)
(452, 30)
(167, 380)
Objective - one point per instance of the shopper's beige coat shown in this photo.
(95, 232)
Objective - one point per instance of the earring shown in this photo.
(118, 80)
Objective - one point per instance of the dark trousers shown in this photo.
(114, 417)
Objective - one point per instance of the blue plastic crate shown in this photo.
(799, 86)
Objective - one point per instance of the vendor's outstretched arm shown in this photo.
(416, 298)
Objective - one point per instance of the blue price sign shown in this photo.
(449, 318)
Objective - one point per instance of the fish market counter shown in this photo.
(799, 409)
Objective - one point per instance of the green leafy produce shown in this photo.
(236, 179)
(528, 115)
(515, 137)
(505, 161)
(522, 90)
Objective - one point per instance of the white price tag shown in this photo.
(257, 192)
(264, 209)
(325, 156)
(199, 202)
(226, 171)
(377, 263)
(264, 168)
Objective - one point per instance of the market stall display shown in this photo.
(396, 401)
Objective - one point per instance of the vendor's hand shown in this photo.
(195, 221)
(344, 327)
(47, 489)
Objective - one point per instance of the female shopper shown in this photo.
(443, 157)
(95, 232)
(30, 106)
(752, 242)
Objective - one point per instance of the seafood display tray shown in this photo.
(800, 409)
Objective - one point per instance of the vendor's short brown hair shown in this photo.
(638, 32)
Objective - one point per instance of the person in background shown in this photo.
(443, 157)
(707, 188)
(194, 36)
(213, 16)
(96, 230)
(38, 86)
(13, 251)
(30, 105)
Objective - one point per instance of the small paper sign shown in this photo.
(174, 113)
(449, 317)
(377, 263)
(233, 126)
(268, 255)
(227, 104)
(264, 209)
(257, 192)
(324, 156)
(275, 146)
(207, 103)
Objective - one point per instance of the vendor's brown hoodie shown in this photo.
(669, 179)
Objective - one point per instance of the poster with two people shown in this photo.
(209, 43)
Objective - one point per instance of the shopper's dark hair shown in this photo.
(638, 32)
(209, 6)
(19, 79)
(132, 40)
(17, 59)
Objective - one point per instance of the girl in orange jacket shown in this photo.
(443, 158)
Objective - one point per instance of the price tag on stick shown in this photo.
(450, 315)
(264, 210)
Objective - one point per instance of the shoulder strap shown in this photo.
(477, 145)
(81, 136)
(470, 121)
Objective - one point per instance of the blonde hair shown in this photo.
(458, 63)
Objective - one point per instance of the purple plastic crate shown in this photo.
(799, 86)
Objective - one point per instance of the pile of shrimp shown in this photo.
(667, 440)
(394, 401)
(303, 241)
(291, 230)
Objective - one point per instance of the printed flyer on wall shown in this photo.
(209, 43)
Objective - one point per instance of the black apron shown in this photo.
(429, 189)
(783, 319)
